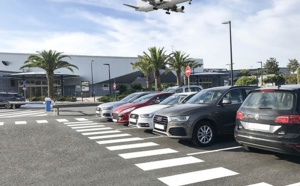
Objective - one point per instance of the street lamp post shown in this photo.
(93, 95)
(231, 64)
(261, 73)
(108, 77)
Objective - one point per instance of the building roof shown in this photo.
(37, 75)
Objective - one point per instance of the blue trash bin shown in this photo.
(48, 104)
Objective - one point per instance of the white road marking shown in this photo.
(101, 132)
(261, 184)
(20, 122)
(81, 119)
(62, 120)
(77, 122)
(168, 163)
(21, 113)
(87, 127)
(42, 121)
(118, 140)
(83, 124)
(210, 151)
(147, 153)
(132, 146)
(1, 123)
(197, 176)
(109, 136)
(86, 130)
(294, 184)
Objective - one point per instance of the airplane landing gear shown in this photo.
(167, 12)
(155, 8)
(190, 2)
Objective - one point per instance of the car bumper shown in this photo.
(142, 123)
(104, 114)
(177, 130)
(120, 117)
(281, 144)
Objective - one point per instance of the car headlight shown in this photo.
(97, 108)
(179, 118)
(146, 115)
(107, 108)
(128, 110)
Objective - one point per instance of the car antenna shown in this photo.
(279, 86)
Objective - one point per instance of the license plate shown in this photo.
(115, 120)
(254, 126)
(98, 112)
(132, 120)
(159, 126)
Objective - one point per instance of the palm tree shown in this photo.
(158, 60)
(177, 61)
(145, 67)
(192, 64)
(49, 61)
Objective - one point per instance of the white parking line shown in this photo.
(86, 130)
(77, 122)
(210, 151)
(261, 184)
(87, 127)
(20, 122)
(42, 121)
(1, 123)
(147, 153)
(197, 176)
(132, 146)
(118, 140)
(81, 119)
(109, 136)
(101, 132)
(168, 163)
(76, 125)
(294, 184)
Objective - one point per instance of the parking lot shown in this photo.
(75, 148)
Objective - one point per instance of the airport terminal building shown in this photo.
(94, 74)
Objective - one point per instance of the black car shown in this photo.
(5, 97)
(206, 115)
(269, 119)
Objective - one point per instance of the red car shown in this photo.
(121, 113)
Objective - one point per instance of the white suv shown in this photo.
(184, 88)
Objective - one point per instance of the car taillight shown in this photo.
(240, 116)
(288, 119)
(267, 90)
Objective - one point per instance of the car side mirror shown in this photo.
(226, 102)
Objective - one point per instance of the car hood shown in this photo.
(149, 109)
(112, 104)
(128, 105)
(183, 109)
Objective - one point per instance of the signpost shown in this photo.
(188, 73)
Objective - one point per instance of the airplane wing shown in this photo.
(131, 6)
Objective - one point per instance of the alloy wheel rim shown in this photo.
(205, 134)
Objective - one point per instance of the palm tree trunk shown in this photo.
(148, 82)
(185, 80)
(157, 80)
(50, 84)
(178, 73)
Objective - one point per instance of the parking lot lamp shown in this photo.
(231, 64)
(108, 77)
(261, 73)
(93, 95)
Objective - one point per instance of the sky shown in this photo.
(260, 29)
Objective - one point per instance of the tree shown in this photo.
(145, 67)
(271, 66)
(247, 80)
(290, 79)
(244, 72)
(293, 65)
(176, 61)
(192, 65)
(48, 61)
(277, 79)
(158, 59)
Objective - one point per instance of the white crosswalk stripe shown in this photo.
(109, 136)
(22, 113)
(77, 122)
(147, 153)
(260, 184)
(86, 130)
(83, 124)
(1, 123)
(101, 131)
(119, 140)
(20, 122)
(168, 163)
(81, 119)
(132, 146)
(62, 120)
(197, 176)
(42, 121)
(294, 184)
(87, 127)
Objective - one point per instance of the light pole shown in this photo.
(92, 79)
(261, 73)
(108, 77)
(231, 64)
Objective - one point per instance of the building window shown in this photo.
(105, 87)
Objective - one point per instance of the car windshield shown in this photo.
(277, 100)
(143, 98)
(129, 97)
(174, 99)
(206, 97)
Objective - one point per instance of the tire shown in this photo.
(204, 134)
(18, 106)
(8, 106)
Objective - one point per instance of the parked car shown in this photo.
(143, 117)
(184, 88)
(206, 115)
(103, 111)
(269, 119)
(121, 113)
(5, 97)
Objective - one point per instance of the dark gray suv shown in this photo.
(206, 115)
(269, 119)
(5, 97)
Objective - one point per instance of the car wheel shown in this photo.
(8, 106)
(18, 106)
(204, 134)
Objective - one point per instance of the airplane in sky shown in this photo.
(150, 5)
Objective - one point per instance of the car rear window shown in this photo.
(278, 100)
